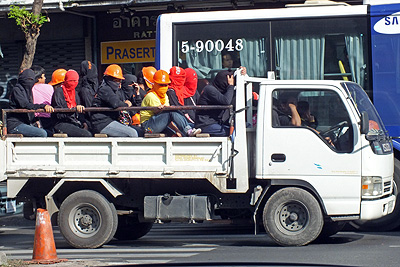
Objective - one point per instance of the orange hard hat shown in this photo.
(148, 73)
(58, 76)
(161, 77)
(114, 71)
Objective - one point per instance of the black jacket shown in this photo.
(108, 95)
(58, 101)
(21, 98)
(212, 96)
(127, 92)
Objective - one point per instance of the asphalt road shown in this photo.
(207, 243)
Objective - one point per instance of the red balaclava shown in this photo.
(68, 86)
(178, 77)
(190, 83)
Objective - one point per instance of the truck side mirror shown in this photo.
(364, 123)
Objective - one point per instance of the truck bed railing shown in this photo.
(101, 109)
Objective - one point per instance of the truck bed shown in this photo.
(152, 158)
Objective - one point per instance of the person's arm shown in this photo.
(22, 100)
(295, 120)
(173, 99)
(58, 101)
(217, 98)
(110, 98)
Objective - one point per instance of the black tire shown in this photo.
(87, 219)
(130, 229)
(29, 211)
(292, 217)
(330, 229)
(389, 222)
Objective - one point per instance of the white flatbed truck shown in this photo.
(288, 179)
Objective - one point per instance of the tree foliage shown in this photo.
(27, 20)
(30, 23)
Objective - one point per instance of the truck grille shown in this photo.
(387, 186)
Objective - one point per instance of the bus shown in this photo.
(359, 43)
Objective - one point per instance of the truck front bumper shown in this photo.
(375, 209)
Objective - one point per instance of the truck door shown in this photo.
(322, 152)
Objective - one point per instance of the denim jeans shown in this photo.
(28, 131)
(116, 129)
(157, 123)
(216, 130)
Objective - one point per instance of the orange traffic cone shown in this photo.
(44, 248)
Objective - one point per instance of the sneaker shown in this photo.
(192, 132)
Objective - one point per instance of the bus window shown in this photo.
(320, 49)
(211, 47)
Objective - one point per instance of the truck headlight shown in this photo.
(371, 186)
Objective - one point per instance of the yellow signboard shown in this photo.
(128, 51)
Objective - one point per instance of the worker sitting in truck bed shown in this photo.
(21, 98)
(220, 92)
(157, 121)
(107, 122)
(65, 97)
(183, 90)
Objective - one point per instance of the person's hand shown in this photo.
(128, 103)
(161, 106)
(85, 126)
(137, 88)
(231, 80)
(80, 108)
(243, 70)
(329, 140)
(48, 109)
(292, 106)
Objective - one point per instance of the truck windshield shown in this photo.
(363, 103)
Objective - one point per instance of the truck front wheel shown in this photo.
(87, 219)
(292, 217)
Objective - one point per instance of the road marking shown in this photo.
(157, 255)
(122, 250)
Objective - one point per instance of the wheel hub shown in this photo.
(86, 220)
(293, 217)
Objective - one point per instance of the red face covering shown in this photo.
(68, 86)
(178, 77)
(190, 83)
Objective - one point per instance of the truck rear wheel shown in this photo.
(29, 211)
(292, 217)
(130, 229)
(87, 219)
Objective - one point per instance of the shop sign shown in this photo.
(119, 52)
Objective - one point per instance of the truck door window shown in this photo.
(320, 111)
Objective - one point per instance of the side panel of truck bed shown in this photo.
(181, 158)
